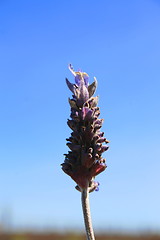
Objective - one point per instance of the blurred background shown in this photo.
(119, 43)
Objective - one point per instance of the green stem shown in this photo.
(87, 214)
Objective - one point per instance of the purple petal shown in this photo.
(78, 79)
(86, 77)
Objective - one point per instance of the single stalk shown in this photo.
(87, 214)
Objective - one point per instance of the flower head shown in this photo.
(84, 160)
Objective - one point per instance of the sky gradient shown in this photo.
(118, 42)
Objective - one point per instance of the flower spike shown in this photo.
(84, 159)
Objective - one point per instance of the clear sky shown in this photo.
(119, 43)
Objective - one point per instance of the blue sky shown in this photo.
(119, 43)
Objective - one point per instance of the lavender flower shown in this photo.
(84, 160)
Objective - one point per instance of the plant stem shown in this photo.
(87, 214)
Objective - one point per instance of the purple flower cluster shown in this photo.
(84, 160)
